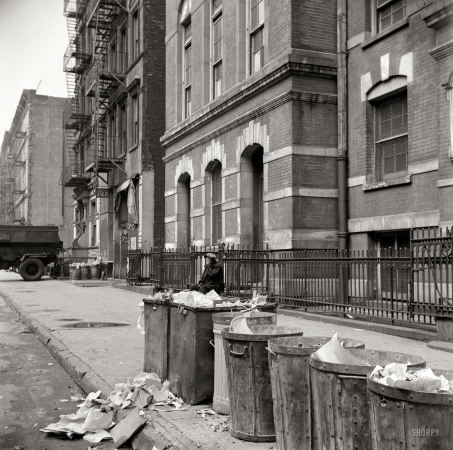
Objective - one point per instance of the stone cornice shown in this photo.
(437, 13)
(246, 118)
(291, 64)
(442, 51)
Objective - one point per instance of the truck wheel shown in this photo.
(32, 269)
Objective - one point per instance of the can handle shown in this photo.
(182, 310)
(270, 351)
(212, 342)
(238, 353)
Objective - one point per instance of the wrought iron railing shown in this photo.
(397, 286)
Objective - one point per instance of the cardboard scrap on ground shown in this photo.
(424, 380)
(334, 352)
(95, 416)
(127, 427)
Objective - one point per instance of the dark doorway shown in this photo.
(183, 195)
(258, 197)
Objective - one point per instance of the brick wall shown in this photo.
(45, 163)
(428, 127)
(154, 117)
(314, 24)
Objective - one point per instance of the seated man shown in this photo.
(212, 277)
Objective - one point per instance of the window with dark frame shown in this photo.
(391, 137)
(135, 118)
(123, 128)
(93, 223)
(216, 203)
(256, 35)
(135, 36)
(112, 136)
(187, 69)
(389, 12)
(217, 66)
(123, 50)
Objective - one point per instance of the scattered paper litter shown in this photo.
(64, 400)
(423, 380)
(333, 352)
(96, 416)
(205, 411)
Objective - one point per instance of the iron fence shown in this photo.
(397, 286)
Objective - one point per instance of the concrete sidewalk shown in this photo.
(99, 357)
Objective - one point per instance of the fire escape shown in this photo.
(95, 70)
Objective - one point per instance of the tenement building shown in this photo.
(31, 161)
(400, 111)
(251, 123)
(113, 123)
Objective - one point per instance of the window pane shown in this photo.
(217, 80)
(187, 32)
(398, 15)
(188, 65)
(254, 17)
(261, 12)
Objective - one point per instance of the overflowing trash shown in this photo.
(423, 380)
(119, 417)
(209, 300)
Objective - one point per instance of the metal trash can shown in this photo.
(157, 318)
(220, 402)
(289, 359)
(407, 420)
(249, 384)
(95, 272)
(85, 273)
(339, 395)
(191, 355)
(74, 273)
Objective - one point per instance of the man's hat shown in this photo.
(210, 255)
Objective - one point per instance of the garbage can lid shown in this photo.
(306, 345)
(262, 333)
(372, 357)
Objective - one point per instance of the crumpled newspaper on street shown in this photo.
(123, 413)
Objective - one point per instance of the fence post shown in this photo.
(343, 282)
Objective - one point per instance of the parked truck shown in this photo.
(27, 250)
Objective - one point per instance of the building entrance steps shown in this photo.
(99, 357)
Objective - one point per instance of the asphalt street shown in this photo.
(32, 384)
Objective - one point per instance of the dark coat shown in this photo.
(213, 275)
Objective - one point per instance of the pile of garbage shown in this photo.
(125, 411)
(423, 380)
(209, 300)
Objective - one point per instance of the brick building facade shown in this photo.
(400, 119)
(251, 123)
(113, 123)
(31, 161)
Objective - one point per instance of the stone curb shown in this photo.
(393, 330)
(441, 345)
(82, 374)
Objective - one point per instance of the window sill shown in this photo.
(387, 32)
(134, 62)
(391, 182)
(132, 148)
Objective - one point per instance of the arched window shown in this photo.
(187, 56)
(216, 203)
